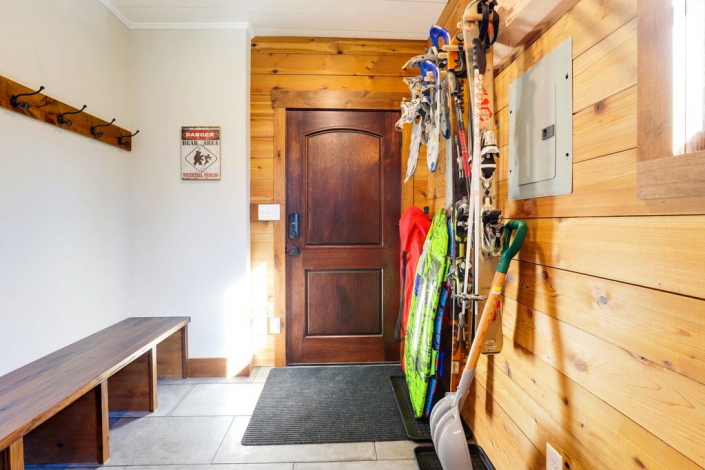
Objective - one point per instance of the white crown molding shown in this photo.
(133, 25)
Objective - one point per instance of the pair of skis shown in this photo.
(476, 216)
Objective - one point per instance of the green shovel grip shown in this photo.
(511, 247)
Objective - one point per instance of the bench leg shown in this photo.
(12, 458)
(76, 434)
(134, 387)
(172, 355)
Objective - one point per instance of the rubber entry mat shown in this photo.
(417, 430)
(326, 404)
(427, 459)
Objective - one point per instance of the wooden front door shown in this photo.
(344, 182)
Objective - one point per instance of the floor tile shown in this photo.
(232, 451)
(77, 466)
(244, 466)
(262, 374)
(207, 380)
(220, 400)
(167, 399)
(166, 440)
(378, 465)
(395, 450)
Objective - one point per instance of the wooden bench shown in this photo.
(55, 410)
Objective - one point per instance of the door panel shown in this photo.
(344, 194)
(344, 303)
(343, 179)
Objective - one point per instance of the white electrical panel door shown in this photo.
(541, 128)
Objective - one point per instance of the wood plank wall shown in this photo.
(302, 64)
(604, 315)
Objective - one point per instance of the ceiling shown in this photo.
(381, 19)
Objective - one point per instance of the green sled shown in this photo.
(428, 281)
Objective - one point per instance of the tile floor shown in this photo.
(199, 426)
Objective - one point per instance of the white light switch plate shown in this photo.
(268, 212)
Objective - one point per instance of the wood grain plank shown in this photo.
(268, 82)
(46, 109)
(280, 231)
(597, 185)
(656, 252)
(606, 68)
(336, 46)
(262, 148)
(337, 99)
(262, 191)
(580, 23)
(664, 328)
(668, 404)
(534, 421)
(505, 444)
(618, 441)
(76, 434)
(134, 387)
(73, 371)
(172, 355)
(261, 169)
(12, 458)
(325, 64)
(681, 176)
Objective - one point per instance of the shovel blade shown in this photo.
(441, 409)
(452, 445)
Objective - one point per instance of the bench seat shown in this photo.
(59, 404)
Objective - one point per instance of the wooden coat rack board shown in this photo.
(46, 109)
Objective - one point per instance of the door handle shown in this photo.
(293, 251)
(293, 226)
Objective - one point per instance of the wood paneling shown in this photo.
(207, 367)
(134, 387)
(336, 308)
(12, 458)
(76, 434)
(369, 71)
(604, 353)
(172, 355)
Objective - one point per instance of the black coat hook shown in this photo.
(67, 121)
(124, 142)
(100, 134)
(16, 103)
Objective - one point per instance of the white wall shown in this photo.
(64, 199)
(190, 239)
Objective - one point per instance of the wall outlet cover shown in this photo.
(268, 212)
(554, 460)
(275, 325)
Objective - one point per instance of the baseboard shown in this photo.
(214, 367)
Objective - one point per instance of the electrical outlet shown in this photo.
(554, 460)
(275, 325)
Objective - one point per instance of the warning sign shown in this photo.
(200, 153)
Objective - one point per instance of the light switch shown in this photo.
(268, 212)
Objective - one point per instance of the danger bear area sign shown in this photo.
(200, 153)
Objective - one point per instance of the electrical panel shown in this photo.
(541, 128)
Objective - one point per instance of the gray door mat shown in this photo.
(326, 404)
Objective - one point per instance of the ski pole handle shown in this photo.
(428, 66)
(437, 33)
(511, 247)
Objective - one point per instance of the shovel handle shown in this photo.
(508, 252)
(511, 247)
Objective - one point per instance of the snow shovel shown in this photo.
(446, 424)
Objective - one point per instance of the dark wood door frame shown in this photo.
(328, 100)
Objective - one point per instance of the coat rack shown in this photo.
(32, 103)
